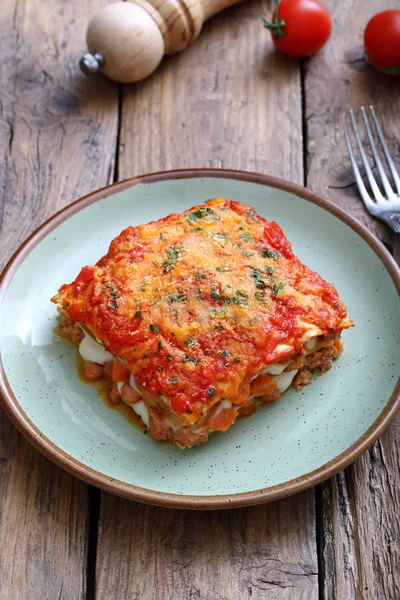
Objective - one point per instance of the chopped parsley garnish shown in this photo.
(211, 392)
(174, 380)
(225, 353)
(173, 253)
(162, 237)
(202, 213)
(214, 293)
(237, 359)
(179, 297)
(138, 314)
(247, 254)
(253, 216)
(256, 275)
(191, 359)
(269, 270)
(239, 298)
(258, 296)
(199, 275)
(246, 237)
(115, 305)
(265, 253)
(219, 269)
(170, 357)
(239, 301)
(154, 328)
(198, 293)
(160, 344)
(277, 287)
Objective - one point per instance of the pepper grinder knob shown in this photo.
(92, 62)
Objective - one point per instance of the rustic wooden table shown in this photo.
(227, 101)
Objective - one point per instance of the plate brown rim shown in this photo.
(293, 486)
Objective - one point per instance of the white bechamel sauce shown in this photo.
(276, 369)
(222, 405)
(311, 330)
(141, 410)
(93, 352)
(283, 381)
(132, 383)
(281, 348)
(310, 345)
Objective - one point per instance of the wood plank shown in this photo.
(57, 142)
(360, 523)
(147, 553)
(227, 101)
(224, 102)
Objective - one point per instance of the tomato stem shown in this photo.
(276, 27)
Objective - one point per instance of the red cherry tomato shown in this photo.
(300, 27)
(382, 41)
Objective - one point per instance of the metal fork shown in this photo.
(386, 208)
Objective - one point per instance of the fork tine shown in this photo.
(369, 204)
(395, 220)
(394, 223)
(375, 190)
(389, 160)
(382, 174)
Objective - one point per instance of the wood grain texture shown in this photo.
(147, 553)
(227, 101)
(360, 522)
(57, 142)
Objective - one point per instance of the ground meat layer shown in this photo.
(166, 425)
(322, 360)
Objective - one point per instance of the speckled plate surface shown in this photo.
(287, 446)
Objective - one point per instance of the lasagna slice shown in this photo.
(200, 317)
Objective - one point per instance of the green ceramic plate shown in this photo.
(287, 446)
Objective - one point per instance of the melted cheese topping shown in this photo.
(199, 303)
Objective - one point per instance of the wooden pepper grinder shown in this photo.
(127, 40)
